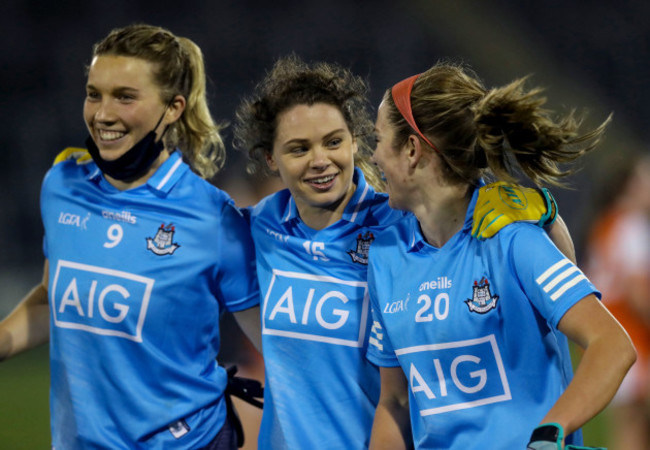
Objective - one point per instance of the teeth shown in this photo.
(323, 179)
(110, 135)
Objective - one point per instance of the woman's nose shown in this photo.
(104, 112)
(320, 157)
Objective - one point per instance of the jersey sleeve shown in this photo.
(237, 278)
(74, 155)
(550, 280)
(45, 201)
(380, 350)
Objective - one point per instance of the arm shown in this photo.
(250, 323)
(559, 234)
(391, 429)
(28, 325)
(608, 354)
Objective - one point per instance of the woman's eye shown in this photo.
(92, 95)
(335, 142)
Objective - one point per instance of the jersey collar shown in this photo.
(168, 174)
(163, 180)
(354, 210)
(417, 241)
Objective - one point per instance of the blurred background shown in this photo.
(592, 56)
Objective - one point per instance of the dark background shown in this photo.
(590, 55)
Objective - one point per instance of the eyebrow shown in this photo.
(118, 89)
(303, 140)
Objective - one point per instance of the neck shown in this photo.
(124, 185)
(320, 217)
(442, 212)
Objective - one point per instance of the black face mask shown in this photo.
(135, 162)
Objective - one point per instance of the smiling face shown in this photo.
(122, 103)
(313, 152)
(390, 160)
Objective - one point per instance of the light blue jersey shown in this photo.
(137, 282)
(320, 390)
(473, 325)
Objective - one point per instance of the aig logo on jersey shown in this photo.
(100, 300)
(455, 375)
(316, 308)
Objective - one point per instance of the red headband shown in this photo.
(401, 93)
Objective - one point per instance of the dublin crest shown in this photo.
(360, 255)
(482, 300)
(162, 243)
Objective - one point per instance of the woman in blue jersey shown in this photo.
(309, 124)
(471, 335)
(143, 254)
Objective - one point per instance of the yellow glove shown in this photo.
(81, 155)
(499, 204)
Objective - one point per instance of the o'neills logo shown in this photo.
(438, 283)
(121, 216)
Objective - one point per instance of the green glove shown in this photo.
(548, 436)
(577, 447)
(499, 204)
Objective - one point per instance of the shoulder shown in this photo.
(271, 206)
(69, 164)
(191, 188)
(74, 155)
(523, 232)
(399, 233)
(518, 240)
(525, 248)
(380, 214)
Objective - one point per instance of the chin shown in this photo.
(395, 204)
(110, 155)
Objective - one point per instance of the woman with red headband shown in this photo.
(478, 356)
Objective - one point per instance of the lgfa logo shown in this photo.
(73, 219)
(397, 305)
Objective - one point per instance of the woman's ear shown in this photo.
(175, 109)
(270, 161)
(355, 146)
(413, 150)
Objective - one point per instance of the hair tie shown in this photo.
(401, 93)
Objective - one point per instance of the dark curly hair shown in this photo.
(293, 82)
